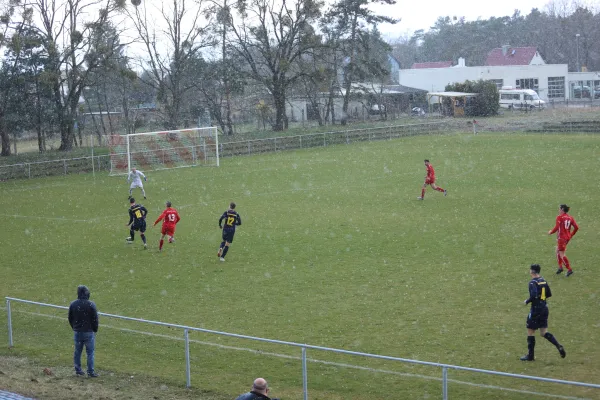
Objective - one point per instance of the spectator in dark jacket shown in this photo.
(260, 391)
(83, 318)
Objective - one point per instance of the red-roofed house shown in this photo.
(435, 64)
(507, 55)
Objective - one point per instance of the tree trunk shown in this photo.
(5, 138)
(280, 117)
(349, 75)
(66, 133)
(228, 122)
(112, 130)
(38, 115)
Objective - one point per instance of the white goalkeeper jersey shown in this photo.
(136, 177)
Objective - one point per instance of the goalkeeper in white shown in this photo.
(135, 177)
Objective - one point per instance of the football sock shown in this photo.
(530, 345)
(422, 193)
(143, 237)
(560, 261)
(566, 262)
(161, 244)
(550, 337)
(143, 192)
(222, 245)
(132, 234)
(439, 189)
(225, 249)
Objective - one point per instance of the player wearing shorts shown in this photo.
(135, 177)
(137, 216)
(231, 219)
(566, 227)
(539, 292)
(430, 180)
(170, 218)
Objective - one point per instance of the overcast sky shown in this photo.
(422, 14)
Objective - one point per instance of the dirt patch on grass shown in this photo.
(51, 382)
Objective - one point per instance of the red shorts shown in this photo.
(168, 230)
(561, 244)
(430, 180)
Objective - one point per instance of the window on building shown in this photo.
(528, 83)
(556, 87)
(499, 83)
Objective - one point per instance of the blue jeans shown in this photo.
(88, 339)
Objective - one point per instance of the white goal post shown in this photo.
(164, 150)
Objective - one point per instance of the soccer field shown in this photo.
(335, 250)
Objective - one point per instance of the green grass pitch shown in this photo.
(335, 250)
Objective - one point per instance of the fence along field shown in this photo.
(334, 251)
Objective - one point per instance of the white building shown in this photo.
(521, 67)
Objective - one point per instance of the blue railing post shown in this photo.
(445, 383)
(10, 339)
(188, 379)
(304, 374)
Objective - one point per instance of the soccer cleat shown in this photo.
(562, 351)
(144, 197)
(79, 373)
(220, 252)
(145, 246)
(419, 198)
(559, 271)
(445, 193)
(221, 259)
(569, 273)
(129, 198)
(171, 240)
(129, 240)
(526, 358)
(92, 375)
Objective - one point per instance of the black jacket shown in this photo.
(253, 396)
(83, 316)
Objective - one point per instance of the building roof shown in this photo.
(513, 56)
(435, 64)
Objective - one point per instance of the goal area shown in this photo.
(164, 150)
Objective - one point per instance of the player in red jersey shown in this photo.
(566, 228)
(430, 180)
(170, 218)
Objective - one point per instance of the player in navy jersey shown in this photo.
(228, 221)
(539, 292)
(137, 216)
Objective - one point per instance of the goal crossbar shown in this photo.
(164, 149)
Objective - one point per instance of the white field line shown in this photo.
(314, 360)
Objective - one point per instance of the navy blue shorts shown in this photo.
(140, 226)
(228, 235)
(537, 319)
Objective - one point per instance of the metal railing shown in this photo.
(96, 163)
(324, 139)
(303, 347)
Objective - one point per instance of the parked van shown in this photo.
(520, 99)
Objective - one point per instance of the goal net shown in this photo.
(164, 150)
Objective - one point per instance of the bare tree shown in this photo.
(169, 62)
(271, 37)
(69, 28)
